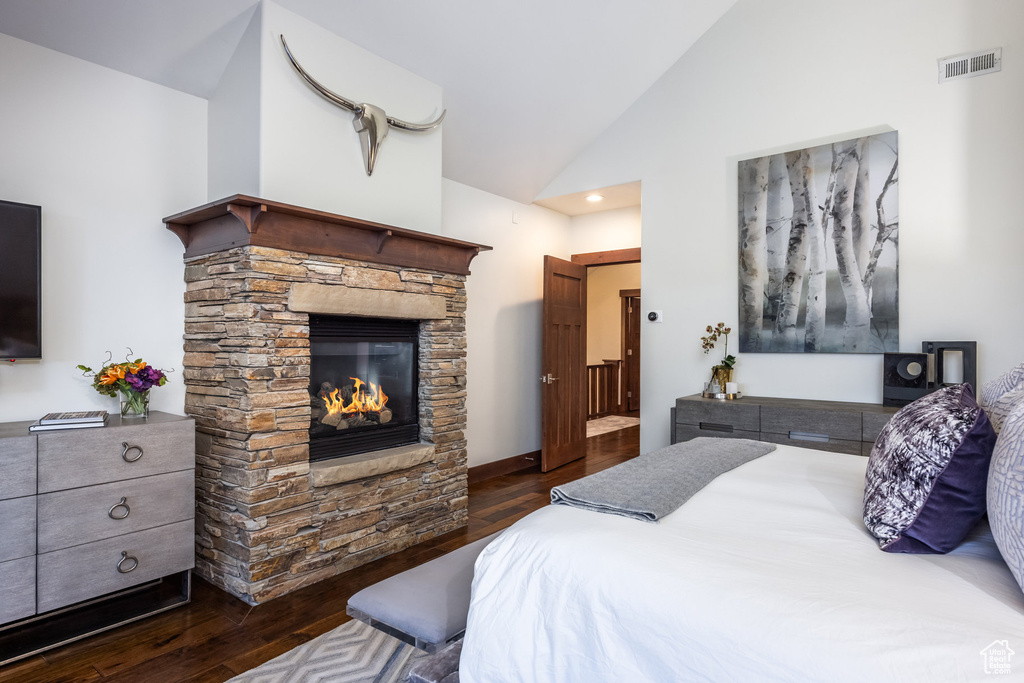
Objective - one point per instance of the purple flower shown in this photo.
(146, 378)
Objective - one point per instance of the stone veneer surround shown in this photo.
(266, 523)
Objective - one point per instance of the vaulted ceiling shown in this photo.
(528, 84)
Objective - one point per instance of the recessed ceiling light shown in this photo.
(594, 197)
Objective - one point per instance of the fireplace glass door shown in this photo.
(363, 385)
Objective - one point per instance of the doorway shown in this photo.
(630, 351)
(613, 347)
(603, 352)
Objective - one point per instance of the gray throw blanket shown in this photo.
(651, 486)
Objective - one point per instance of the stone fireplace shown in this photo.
(270, 519)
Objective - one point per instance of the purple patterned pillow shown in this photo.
(926, 477)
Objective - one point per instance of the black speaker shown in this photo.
(904, 378)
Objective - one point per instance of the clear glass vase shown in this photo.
(134, 404)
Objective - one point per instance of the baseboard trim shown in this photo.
(489, 470)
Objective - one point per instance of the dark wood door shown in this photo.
(631, 349)
(564, 364)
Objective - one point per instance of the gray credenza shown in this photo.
(98, 527)
(826, 425)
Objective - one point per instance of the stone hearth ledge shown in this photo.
(375, 463)
(306, 297)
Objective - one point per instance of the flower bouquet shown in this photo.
(131, 379)
(721, 374)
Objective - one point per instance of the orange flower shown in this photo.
(135, 367)
(113, 373)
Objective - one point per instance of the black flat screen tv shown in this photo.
(20, 281)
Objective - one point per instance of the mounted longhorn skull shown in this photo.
(371, 122)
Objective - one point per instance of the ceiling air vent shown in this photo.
(970, 64)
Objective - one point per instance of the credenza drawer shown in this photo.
(17, 529)
(86, 571)
(733, 414)
(83, 457)
(17, 466)
(833, 423)
(18, 583)
(873, 423)
(832, 445)
(91, 513)
(687, 432)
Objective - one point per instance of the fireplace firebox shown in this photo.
(363, 385)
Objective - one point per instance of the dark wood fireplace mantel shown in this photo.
(241, 220)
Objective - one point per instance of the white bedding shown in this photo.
(766, 574)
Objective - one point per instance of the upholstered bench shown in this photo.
(426, 606)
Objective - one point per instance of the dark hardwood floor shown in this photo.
(217, 636)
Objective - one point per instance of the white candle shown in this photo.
(731, 388)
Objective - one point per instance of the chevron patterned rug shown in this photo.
(351, 653)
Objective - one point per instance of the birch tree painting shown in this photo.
(818, 249)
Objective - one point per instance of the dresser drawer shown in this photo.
(17, 530)
(86, 571)
(83, 457)
(18, 580)
(17, 466)
(91, 513)
(735, 414)
(687, 432)
(832, 445)
(836, 424)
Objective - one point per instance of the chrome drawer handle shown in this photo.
(127, 449)
(125, 557)
(122, 504)
(809, 436)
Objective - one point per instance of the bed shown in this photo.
(768, 573)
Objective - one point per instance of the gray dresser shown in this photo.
(93, 513)
(826, 425)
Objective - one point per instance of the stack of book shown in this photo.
(80, 420)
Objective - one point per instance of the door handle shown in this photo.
(548, 379)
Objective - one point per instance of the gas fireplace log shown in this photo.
(356, 420)
(385, 416)
(334, 420)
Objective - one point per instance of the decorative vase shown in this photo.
(134, 403)
(722, 375)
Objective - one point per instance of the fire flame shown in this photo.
(373, 400)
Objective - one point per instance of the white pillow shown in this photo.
(1000, 409)
(1006, 493)
(993, 390)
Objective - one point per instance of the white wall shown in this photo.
(503, 317)
(604, 309)
(234, 120)
(605, 231)
(107, 156)
(309, 151)
(787, 74)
